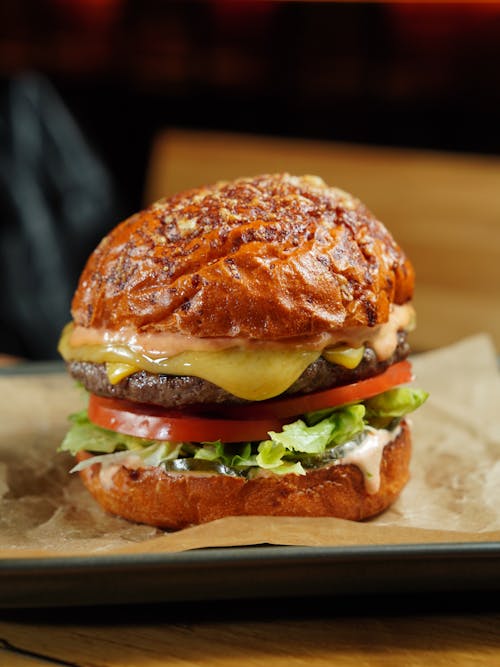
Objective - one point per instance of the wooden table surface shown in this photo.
(432, 631)
(445, 210)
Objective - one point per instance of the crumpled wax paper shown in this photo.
(453, 494)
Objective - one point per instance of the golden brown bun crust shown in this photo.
(176, 500)
(269, 257)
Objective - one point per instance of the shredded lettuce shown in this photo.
(382, 409)
(395, 402)
(304, 440)
(314, 436)
(271, 457)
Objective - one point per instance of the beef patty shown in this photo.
(173, 391)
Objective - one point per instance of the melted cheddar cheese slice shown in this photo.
(251, 372)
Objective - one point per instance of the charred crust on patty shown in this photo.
(172, 391)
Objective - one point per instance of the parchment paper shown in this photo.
(453, 494)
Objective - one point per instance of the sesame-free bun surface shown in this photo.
(175, 500)
(270, 257)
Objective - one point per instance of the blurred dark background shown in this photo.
(86, 85)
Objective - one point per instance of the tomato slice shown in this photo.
(244, 423)
(297, 405)
(156, 423)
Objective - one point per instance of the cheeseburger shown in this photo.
(244, 349)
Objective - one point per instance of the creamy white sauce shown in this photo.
(367, 455)
(108, 470)
(385, 339)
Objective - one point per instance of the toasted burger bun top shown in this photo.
(270, 257)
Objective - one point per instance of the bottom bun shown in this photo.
(175, 500)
